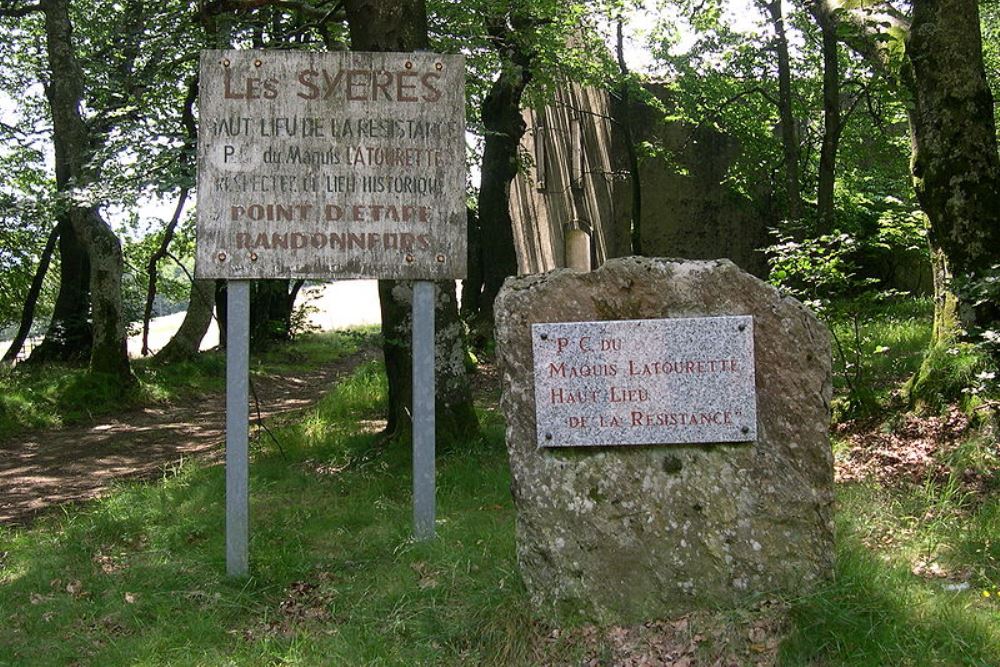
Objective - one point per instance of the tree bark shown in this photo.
(401, 25)
(955, 165)
(68, 336)
(190, 143)
(455, 416)
(73, 147)
(270, 313)
(186, 343)
(472, 286)
(222, 310)
(504, 127)
(31, 300)
(624, 107)
(789, 138)
(955, 168)
(826, 214)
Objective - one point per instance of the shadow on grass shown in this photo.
(138, 577)
(876, 612)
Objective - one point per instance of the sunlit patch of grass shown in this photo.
(56, 395)
(876, 348)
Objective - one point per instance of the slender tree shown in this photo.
(28, 313)
(504, 128)
(827, 21)
(789, 134)
(75, 171)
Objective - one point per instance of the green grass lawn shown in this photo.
(137, 578)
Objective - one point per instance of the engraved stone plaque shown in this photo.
(331, 165)
(642, 382)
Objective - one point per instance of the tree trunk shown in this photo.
(72, 143)
(380, 25)
(955, 165)
(472, 286)
(151, 269)
(69, 336)
(826, 215)
(31, 300)
(624, 116)
(955, 169)
(455, 416)
(504, 127)
(270, 313)
(186, 343)
(190, 145)
(789, 138)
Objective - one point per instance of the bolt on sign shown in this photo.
(641, 382)
(331, 165)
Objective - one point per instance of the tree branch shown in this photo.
(337, 13)
(11, 11)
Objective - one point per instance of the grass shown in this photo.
(57, 395)
(876, 611)
(137, 578)
(875, 346)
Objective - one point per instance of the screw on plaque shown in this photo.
(257, 62)
(544, 336)
(225, 62)
(409, 65)
(742, 327)
(438, 66)
(440, 259)
(548, 436)
(409, 259)
(745, 430)
(253, 257)
(221, 256)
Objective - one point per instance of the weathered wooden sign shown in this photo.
(331, 165)
(638, 382)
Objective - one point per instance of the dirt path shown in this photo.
(49, 468)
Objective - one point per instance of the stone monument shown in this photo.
(667, 427)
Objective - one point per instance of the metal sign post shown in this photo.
(423, 410)
(237, 427)
(329, 165)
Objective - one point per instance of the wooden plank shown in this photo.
(331, 165)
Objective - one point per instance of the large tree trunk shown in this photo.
(72, 143)
(186, 343)
(789, 138)
(826, 215)
(381, 25)
(69, 336)
(955, 165)
(455, 416)
(956, 174)
(31, 300)
(504, 127)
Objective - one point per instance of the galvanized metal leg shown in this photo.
(423, 410)
(237, 427)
